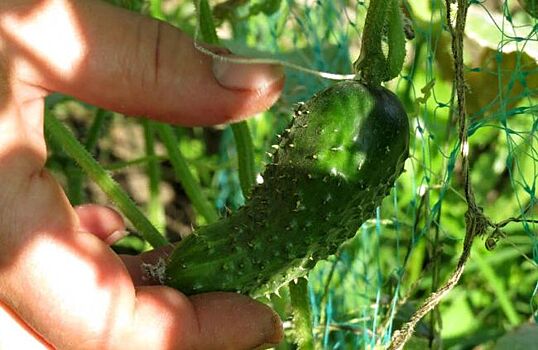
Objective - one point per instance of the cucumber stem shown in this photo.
(73, 148)
(373, 66)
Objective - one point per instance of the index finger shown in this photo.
(129, 63)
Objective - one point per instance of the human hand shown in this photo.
(61, 286)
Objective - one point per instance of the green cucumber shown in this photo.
(340, 157)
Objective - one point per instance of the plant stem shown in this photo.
(75, 180)
(371, 63)
(184, 175)
(155, 207)
(373, 66)
(243, 139)
(101, 118)
(111, 188)
(206, 24)
(396, 40)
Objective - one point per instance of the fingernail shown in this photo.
(246, 76)
(115, 236)
(274, 333)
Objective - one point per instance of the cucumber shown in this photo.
(333, 166)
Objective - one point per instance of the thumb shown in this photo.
(128, 63)
(224, 321)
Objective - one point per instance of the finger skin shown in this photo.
(136, 264)
(78, 295)
(101, 221)
(215, 318)
(107, 224)
(200, 316)
(226, 308)
(122, 61)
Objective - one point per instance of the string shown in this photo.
(244, 60)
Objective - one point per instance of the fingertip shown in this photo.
(260, 101)
(168, 319)
(207, 90)
(241, 322)
(245, 76)
(241, 105)
(104, 222)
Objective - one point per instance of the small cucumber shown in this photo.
(340, 157)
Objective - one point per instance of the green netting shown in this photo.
(373, 284)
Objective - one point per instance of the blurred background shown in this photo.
(376, 280)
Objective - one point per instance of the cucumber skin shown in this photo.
(334, 165)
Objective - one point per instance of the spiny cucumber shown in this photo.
(333, 166)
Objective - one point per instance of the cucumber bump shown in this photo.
(335, 163)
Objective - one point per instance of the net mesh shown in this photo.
(375, 281)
